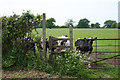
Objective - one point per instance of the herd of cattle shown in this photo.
(82, 45)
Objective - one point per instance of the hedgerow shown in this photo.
(14, 29)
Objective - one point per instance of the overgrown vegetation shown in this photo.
(14, 29)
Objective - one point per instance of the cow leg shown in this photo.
(89, 56)
(82, 54)
(77, 49)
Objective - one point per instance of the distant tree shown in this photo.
(57, 26)
(69, 21)
(83, 23)
(114, 25)
(97, 25)
(50, 23)
(63, 27)
(118, 25)
(108, 23)
(92, 25)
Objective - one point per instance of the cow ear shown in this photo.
(95, 37)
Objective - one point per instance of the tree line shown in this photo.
(83, 23)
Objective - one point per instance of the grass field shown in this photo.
(80, 33)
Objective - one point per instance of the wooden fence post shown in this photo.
(44, 35)
(50, 47)
(1, 48)
(71, 36)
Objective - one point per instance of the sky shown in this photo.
(62, 10)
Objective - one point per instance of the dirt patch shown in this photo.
(26, 74)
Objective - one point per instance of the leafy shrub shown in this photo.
(14, 29)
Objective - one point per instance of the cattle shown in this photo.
(28, 44)
(59, 42)
(85, 45)
(39, 44)
(63, 42)
(54, 43)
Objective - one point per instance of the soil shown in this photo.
(27, 74)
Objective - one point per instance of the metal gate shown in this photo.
(115, 46)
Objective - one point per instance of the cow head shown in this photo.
(61, 42)
(90, 42)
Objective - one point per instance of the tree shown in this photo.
(83, 23)
(92, 25)
(114, 25)
(50, 23)
(97, 25)
(108, 23)
(118, 25)
(69, 21)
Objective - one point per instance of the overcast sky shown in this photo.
(62, 10)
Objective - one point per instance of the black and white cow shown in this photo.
(28, 44)
(39, 44)
(64, 42)
(85, 45)
(54, 43)
(59, 42)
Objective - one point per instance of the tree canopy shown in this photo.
(50, 23)
(109, 24)
(69, 21)
(83, 23)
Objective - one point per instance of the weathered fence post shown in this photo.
(44, 35)
(71, 36)
(0, 48)
(96, 52)
(50, 46)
